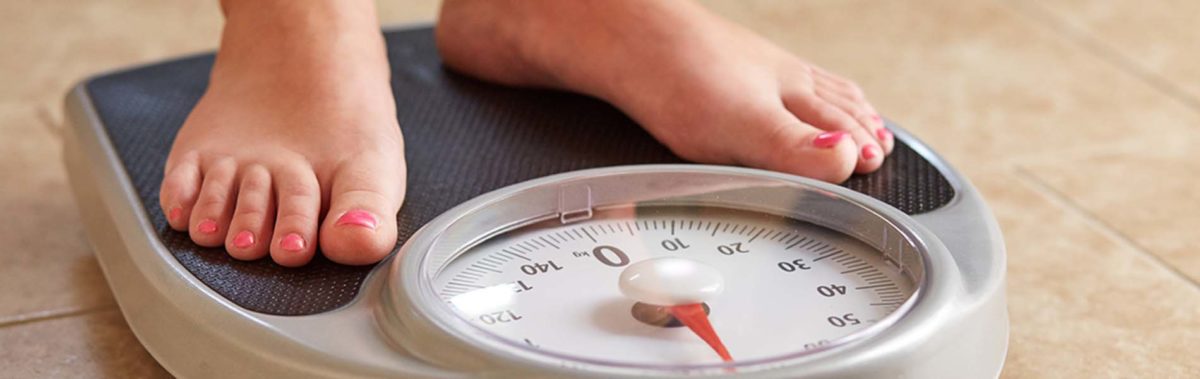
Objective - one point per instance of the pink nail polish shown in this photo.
(828, 139)
(292, 242)
(243, 240)
(175, 214)
(868, 152)
(358, 218)
(883, 134)
(207, 227)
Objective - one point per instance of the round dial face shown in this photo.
(673, 287)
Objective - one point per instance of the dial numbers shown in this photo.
(790, 286)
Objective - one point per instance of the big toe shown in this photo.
(776, 140)
(806, 151)
(365, 197)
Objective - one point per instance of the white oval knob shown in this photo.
(669, 281)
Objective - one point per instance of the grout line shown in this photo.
(52, 315)
(1106, 53)
(1048, 19)
(1054, 195)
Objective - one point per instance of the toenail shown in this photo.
(883, 134)
(868, 152)
(175, 214)
(244, 239)
(292, 242)
(828, 139)
(358, 218)
(207, 226)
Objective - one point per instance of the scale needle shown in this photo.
(693, 316)
(681, 286)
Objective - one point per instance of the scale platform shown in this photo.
(201, 313)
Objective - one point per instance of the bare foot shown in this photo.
(708, 89)
(295, 144)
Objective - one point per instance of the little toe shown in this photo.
(360, 227)
(298, 204)
(180, 186)
(250, 230)
(214, 205)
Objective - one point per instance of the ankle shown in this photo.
(588, 46)
(299, 16)
(277, 38)
(491, 39)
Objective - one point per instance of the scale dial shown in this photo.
(655, 270)
(788, 286)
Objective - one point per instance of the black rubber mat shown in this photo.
(463, 138)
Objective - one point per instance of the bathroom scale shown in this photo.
(545, 234)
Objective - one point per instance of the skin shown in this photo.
(295, 144)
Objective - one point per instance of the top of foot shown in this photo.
(710, 90)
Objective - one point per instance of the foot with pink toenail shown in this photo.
(295, 144)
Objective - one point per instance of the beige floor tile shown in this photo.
(51, 45)
(1159, 37)
(980, 82)
(95, 345)
(401, 12)
(1147, 190)
(46, 267)
(1082, 303)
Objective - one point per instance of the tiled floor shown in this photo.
(1076, 119)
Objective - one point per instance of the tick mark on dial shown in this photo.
(856, 270)
(760, 232)
(515, 255)
(830, 254)
(876, 286)
(589, 236)
(793, 244)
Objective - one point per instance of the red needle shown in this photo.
(694, 317)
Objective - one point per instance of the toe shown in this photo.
(366, 194)
(814, 110)
(886, 139)
(250, 230)
(778, 141)
(180, 186)
(298, 204)
(214, 205)
(849, 97)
